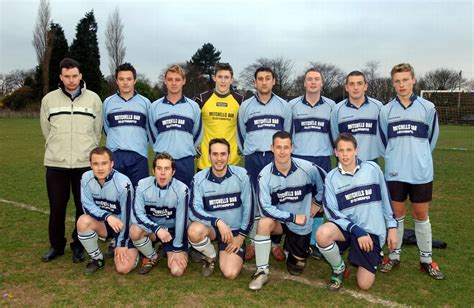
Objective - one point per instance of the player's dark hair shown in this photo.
(223, 67)
(126, 67)
(348, 137)
(164, 155)
(282, 135)
(355, 73)
(316, 70)
(100, 151)
(219, 140)
(69, 63)
(265, 69)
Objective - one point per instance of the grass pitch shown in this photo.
(25, 280)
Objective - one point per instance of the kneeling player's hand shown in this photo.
(121, 254)
(300, 219)
(164, 235)
(234, 246)
(115, 223)
(365, 243)
(181, 258)
(224, 230)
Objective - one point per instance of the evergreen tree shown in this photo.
(59, 52)
(205, 59)
(85, 50)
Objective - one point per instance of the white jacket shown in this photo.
(72, 127)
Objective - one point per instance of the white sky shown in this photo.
(427, 34)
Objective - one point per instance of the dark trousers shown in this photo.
(59, 183)
(322, 161)
(131, 164)
(254, 163)
(185, 170)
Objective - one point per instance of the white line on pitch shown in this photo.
(322, 285)
(31, 208)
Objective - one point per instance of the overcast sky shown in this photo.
(427, 34)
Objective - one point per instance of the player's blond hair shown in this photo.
(403, 67)
(175, 68)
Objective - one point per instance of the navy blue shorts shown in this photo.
(255, 162)
(222, 245)
(131, 164)
(110, 232)
(368, 260)
(185, 170)
(322, 161)
(168, 247)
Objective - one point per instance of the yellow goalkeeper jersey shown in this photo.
(219, 120)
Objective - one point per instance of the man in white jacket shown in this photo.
(71, 122)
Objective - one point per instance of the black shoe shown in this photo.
(195, 255)
(314, 252)
(110, 250)
(52, 254)
(295, 266)
(93, 266)
(78, 255)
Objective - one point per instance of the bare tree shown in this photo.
(333, 79)
(282, 67)
(379, 87)
(115, 40)
(13, 81)
(42, 41)
(442, 79)
(371, 70)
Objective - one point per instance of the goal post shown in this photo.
(453, 106)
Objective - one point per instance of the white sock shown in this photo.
(205, 247)
(263, 246)
(253, 230)
(395, 254)
(145, 246)
(332, 255)
(89, 239)
(423, 240)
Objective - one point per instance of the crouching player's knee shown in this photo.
(177, 263)
(126, 259)
(231, 273)
(365, 278)
(177, 271)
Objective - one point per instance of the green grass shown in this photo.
(24, 238)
